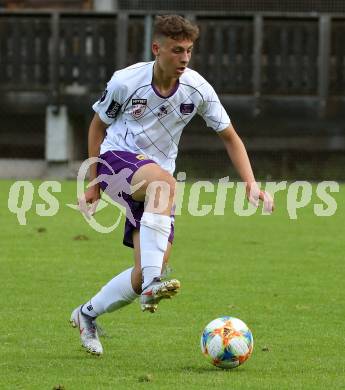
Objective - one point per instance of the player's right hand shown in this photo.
(254, 194)
(88, 202)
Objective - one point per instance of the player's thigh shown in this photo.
(151, 173)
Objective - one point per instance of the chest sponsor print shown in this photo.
(138, 107)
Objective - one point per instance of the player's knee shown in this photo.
(162, 190)
(167, 194)
(171, 182)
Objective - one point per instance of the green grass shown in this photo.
(283, 277)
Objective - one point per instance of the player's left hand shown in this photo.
(87, 209)
(88, 202)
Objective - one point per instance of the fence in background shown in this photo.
(263, 65)
(243, 54)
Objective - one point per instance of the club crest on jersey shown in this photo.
(138, 107)
(186, 108)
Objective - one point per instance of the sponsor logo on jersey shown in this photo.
(162, 111)
(186, 108)
(138, 107)
(113, 109)
(104, 95)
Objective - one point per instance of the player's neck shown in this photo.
(164, 84)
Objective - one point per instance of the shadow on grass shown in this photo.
(81, 355)
(202, 369)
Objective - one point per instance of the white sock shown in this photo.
(114, 295)
(154, 234)
(149, 273)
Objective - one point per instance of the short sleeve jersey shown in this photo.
(144, 122)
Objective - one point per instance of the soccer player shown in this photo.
(137, 125)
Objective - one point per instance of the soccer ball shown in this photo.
(227, 342)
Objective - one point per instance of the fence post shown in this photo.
(54, 60)
(58, 139)
(323, 63)
(58, 131)
(122, 40)
(147, 38)
(257, 52)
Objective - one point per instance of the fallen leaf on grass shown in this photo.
(80, 237)
(145, 378)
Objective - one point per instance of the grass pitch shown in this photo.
(284, 278)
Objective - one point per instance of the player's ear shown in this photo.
(155, 48)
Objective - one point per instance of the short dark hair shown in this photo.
(175, 27)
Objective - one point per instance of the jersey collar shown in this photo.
(172, 92)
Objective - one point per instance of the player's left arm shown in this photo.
(239, 157)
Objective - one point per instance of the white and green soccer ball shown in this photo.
(227, 342)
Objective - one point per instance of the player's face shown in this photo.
(172, 56)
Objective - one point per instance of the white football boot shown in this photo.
(88, 331)
(156, 291)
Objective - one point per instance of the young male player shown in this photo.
(137, 126)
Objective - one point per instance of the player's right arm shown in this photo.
(106, 110)
(96, 136)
